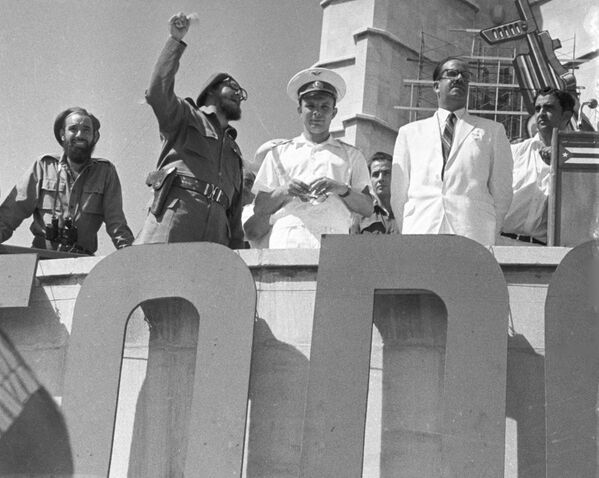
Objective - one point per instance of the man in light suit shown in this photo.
(452, 172)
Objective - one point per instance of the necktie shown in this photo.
(447, 139)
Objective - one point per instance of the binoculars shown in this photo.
(65, 236)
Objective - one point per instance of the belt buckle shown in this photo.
(217, 194)
(212, 192)
(208, 190)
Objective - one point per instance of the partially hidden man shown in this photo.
(198, 182)
(69, 195)
(452, 172)
(382, 220)
(310, 185)
(526, 220)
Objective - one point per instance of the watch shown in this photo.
(346, 193)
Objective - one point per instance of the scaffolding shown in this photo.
(493, 91)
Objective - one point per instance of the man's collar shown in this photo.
(301, 139)
(378, 206)
(63, 161)
(210, 110)
(443, 113)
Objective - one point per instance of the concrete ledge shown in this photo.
(285, 258)
(326, 3)
(529, 256)
(66, 267)
(335, 62)
(280, 258)
(371, 31)
(369, 118)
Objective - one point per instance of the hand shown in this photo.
(297, 188)
(179, 25)
(545, 153)
(326, 185)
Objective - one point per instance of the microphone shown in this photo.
(591, 104)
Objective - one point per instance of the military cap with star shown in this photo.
(316, 79)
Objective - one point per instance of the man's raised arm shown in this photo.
(160, 95)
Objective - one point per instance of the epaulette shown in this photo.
(347, 145)
(282, 142)
(50, 157)
(274, 145)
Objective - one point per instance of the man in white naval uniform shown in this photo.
(310, 185)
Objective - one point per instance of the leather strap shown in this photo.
(208, 190)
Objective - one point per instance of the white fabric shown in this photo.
(300, 224)
(246, 213)
(527, 215)
(476, 192)
(442, 115)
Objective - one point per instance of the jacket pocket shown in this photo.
(199, 141)
(92, 201)
(48, 195)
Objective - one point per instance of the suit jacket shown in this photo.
(476, 191)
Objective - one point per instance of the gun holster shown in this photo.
(161, 182)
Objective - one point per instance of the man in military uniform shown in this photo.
(198, 182)
(310, 185)
(383, 220)
(69, 196)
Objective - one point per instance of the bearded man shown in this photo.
(198, 182)
(70, 195)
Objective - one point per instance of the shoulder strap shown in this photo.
(278, 164)
(346, 150)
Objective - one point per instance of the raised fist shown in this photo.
(179, 24)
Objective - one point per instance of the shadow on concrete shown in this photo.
(38, 333)
(413, 329)
(525, 403)
(279, 378)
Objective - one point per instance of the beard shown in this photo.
(79, 154)
(230, 109)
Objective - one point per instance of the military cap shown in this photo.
(214, 79)
(316, 79)
(60, 119)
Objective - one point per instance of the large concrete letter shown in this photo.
(572, 365)
(469, 281)
(219, 285)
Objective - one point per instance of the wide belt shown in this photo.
(209, 191)
(519, 237)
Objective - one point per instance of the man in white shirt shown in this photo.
(526, 220)
(310, 185)
(452, 172)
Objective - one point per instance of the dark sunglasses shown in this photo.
(239, 91)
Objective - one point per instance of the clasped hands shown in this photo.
(316, 190)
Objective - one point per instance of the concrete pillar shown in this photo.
(370, 43)
(159, 444)
(414, 333)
